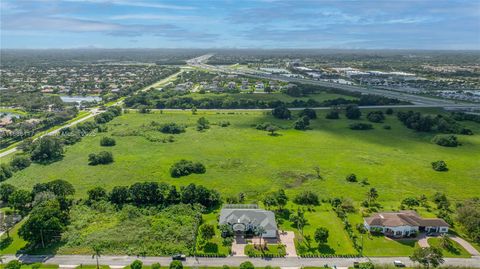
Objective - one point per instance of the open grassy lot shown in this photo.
(319, 97)
(239, 158)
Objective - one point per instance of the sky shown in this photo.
(352, 24)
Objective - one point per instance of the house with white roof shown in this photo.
(247, 218)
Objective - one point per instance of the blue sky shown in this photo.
(370, 24)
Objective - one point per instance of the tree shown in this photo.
(259, 231)
(172, 128)
(20, 162)
(7, 221)
(439, 166)
(185, 168)
(107, 142)
(372, 195)
(136, 264)
(468, 215)
(207, 231)
(103, 157)
(332, 115)
(271, 129)
(446, 140)
(97, 194)
(389, 111)
(5, 172)
(175, 265)
(306, 198)
(282, 198)
(45, 223)
(308, 112)
(375, 116)
(430, 256)
(13, 264)
(97, 252)
(59, 187)
(351, 178)
(441, 201)
(352, 112)
(302, 123)
(410, 202)
(281, 112)
(119, 195)
(5, 191)
(299, 220)
(269, 200)
(445, 242)
(202, 124)
(20, 200)
(321, 235)
(247, 265)
(46, 149)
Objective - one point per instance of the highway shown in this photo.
(414, 99)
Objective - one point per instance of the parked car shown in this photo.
(179, 257)
(398, 264)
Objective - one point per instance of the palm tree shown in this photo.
(372, 195)
(97, 252)
(260, 231)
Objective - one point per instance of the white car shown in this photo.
(398, 264)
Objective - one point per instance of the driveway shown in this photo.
(467, 246)
(238, 246)
(423, 240)
(288, 239)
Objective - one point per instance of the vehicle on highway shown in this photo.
(179, 257)
(398, 264)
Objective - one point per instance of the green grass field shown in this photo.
(239, 158)
(457, 251)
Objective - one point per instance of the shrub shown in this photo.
(446, 140)
(375, 116)
(14, 264)
(308, 112)
(103, 157)
(332, 115)
(352, 112)
(107, 141)
(281, 112)
(156, 266)
(202, 124)
(389, 111)
(176, 265)
(224, 123)
(351, 178)
(185, 168)
(360, 126)
(20, 162)
(302, 123)
(306, 198)
(439, 166)
(97, 194)
(172, 128)
(136, 264)
(247, 265)
(5, 172)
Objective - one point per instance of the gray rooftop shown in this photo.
(254, 216)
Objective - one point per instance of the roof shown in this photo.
(253, 216)
(403, 218)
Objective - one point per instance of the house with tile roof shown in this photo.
(404, 223)
(247, 218)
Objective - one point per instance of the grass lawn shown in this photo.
(215, 245)
(239, 158)
(273, 249)
(11, 246)
(29, 266)
(457, 251)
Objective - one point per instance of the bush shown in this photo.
(202, 124)
(15, 264)
(107, 141)
(306, 198)
(351, 178)
(308, 112)
(5, 172)
(360, 126)
(176, 265)
(389, 111)
(302, 123)
(247, 265)
(224, 123)
(446, 140)
(172, 128)
(376, 116)
(185, 168)
(332, 115)
(136, 264)
(352, 112)
(156, 266)
(281, 112)
(20, 162)
(439, 166)
(103, 157)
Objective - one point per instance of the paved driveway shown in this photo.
(467, 246)
(238, 246)
(288, 239)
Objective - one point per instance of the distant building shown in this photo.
(404, 223)
(247, 218)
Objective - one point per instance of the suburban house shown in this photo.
(247, 218)
(404, 223)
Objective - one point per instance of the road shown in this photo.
(414, 99)
(231, 261)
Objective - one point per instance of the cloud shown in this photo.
(134, 3)
(135, 16)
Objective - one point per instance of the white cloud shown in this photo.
(134, 3)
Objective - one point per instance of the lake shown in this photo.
(78, 99)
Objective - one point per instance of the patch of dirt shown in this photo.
(292, 179)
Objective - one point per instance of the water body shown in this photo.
(78, 99)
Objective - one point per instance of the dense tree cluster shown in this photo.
(46, 149)
(461, 116)
(352, 112)
(468, 214)
(158, 194)
(107, 141)
(112, 112)
(103, 157)
(306, 198)
(360, 126)
(332, 115)
(172, 128)
(278, 198)
(302, 123)
(202, 124)
(446, 140)
(185, 168)
(427, 123)
(20, 162)
(308, 112)
(5, 172)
